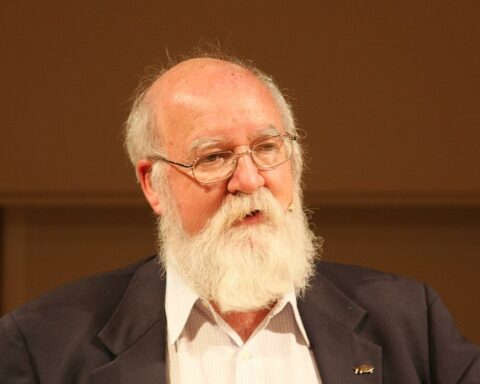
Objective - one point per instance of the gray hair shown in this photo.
(141, 133)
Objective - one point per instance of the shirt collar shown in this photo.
(290, 298)
(180, 299)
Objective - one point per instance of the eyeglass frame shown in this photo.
(237, 156)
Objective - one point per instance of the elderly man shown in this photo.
(216, 153)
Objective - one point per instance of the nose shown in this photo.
(247, 177)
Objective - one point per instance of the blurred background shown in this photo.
(387, 93)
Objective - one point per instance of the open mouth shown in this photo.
(254, 216)
(252, 213)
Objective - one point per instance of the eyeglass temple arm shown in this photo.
(156, 158)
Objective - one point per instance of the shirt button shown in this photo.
(245, 355)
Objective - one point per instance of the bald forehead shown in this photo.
(202, 77)
(202, 97)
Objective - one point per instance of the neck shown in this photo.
(244, 323)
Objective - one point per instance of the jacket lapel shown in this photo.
(330, 319)
(135, 334)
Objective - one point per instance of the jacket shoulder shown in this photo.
(406, 318)
(350, 277)
(376, 291)
(54, 337)
(90, 300)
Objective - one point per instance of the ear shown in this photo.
(144, 174)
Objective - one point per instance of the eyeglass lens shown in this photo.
(266, 154)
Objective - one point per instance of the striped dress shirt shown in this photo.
(203, 348)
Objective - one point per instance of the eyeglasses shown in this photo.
(266, 154)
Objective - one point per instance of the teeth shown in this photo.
(253, 213)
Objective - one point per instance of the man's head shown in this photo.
(198, 108)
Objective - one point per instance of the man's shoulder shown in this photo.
(372, 288)
(90, 300)
(407, 319)
(58, 334)
(355, 275)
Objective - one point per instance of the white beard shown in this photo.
(242, 267)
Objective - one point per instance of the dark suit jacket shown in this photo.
(111, 329)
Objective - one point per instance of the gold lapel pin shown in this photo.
(364, 369)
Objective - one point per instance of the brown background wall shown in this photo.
(387, 94)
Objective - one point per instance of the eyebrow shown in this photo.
(269, 131)
(208, 142)
(204, 143)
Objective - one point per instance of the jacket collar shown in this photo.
(136, 333)
(332, 321)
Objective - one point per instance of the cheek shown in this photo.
(196, 204)
(280, 182)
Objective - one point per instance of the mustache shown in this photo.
(237, 207)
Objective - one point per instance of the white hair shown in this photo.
(241, 268)
(141, 133)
